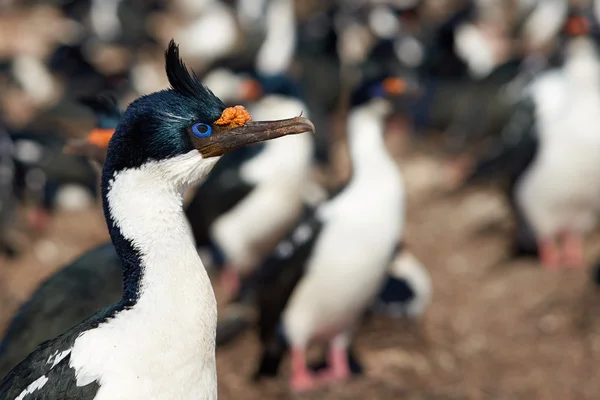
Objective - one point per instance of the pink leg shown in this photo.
(549, 253)
(39, 219)
(572, 250)
(337, 358)
(230, 281)
(301, 379)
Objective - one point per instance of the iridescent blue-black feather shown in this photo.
(189, 86)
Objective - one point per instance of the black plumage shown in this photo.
(510, 157)
(7, 193)
(278, 277)
(61, 381)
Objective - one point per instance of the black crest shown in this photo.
(186, 84)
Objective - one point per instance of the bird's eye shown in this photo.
(201, 130)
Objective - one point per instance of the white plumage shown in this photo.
(275, 55)
(407, 267)
(561, 190)
(211, 35)
(361, 228)
(282, 175)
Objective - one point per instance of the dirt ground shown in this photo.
(496, 329)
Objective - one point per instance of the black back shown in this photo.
(512, 155)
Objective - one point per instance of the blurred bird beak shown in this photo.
(94, 146)
(100, 137)
(577, 26)
(394, 86)
(235, 129)
(251, 90)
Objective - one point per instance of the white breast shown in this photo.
(362, 226)
(561, 189)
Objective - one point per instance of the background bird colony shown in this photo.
(496, 137)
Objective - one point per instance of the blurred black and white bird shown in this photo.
(534, 151)
(567, 101)
(158, 341)
(325, 273)
(281, 176)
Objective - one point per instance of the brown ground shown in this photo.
(495, 330)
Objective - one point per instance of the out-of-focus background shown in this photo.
(500, 325)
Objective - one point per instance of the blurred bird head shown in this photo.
(382, 76)
(580, 23)
(580, 34)
(183, 122)
(108, 116)
(246, 85)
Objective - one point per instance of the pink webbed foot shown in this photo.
(549, 254)
(301, 379)
(338, 369)
(302, 382)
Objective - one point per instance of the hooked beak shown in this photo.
(227, 138)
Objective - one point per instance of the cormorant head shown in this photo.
(187, 126)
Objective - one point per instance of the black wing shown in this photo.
(59, 381)
(277, 279)
(516, 150)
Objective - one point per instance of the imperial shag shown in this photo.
(324, 274)
(534, 152)
(159, 340)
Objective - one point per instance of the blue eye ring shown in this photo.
(201, 130)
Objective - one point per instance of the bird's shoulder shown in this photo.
(296, 246)
(47, 370)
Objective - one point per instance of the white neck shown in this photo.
(275, 54)
(163, 345)
(582, 66)
(366, 139)
(146, 204)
